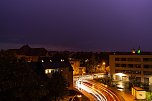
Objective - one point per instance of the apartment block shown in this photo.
(123, 65)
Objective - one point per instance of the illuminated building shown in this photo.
(58, 64)
(124, 64)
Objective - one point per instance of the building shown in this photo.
(125, 64)
(28, 53)
(139, 93)
(58, 64)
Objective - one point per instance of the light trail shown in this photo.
(96, 89)
(97, 95)
(109, 92)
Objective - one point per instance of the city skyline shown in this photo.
(84, 25)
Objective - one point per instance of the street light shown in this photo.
(103, 63)
(104, 66)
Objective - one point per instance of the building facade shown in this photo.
(29, 54)
(123, 65)
(58, 64)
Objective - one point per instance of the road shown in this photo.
(92, 93)
(95, 91)
(109, 94)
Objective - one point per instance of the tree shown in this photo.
(106, 80)
(56, 86)
(18, 81)
(134, 82)
(92, 63)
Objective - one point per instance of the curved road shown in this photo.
(96, 91)
(92, 93)
(110, 95)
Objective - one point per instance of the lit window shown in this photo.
(62, 60)
(49, 70)
(46, 71)
(86, 60)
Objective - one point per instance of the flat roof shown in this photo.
(138, 89)
(130, 53)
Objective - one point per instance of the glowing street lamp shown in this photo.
(104, 66)
(103, 63)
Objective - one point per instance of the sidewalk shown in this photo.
(126, 95)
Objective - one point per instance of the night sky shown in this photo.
(79, 25)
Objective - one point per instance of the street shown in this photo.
(96, 91)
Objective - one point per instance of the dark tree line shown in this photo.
(19, 82)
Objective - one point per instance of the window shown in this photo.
(48, 71)
(120, 59)
(123, 59)
(123, 65)
(146, 80)
(147, 66)
(116, 59)
(130, 65)
(117, 65)
(118, 71)
(147, 59)
(137, 59)
(147, 72)
(62, 60)
(130, 59)
(137, 72)
(137, 65)
(128, 72)
(134, 59)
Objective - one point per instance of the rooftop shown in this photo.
(55, 62)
